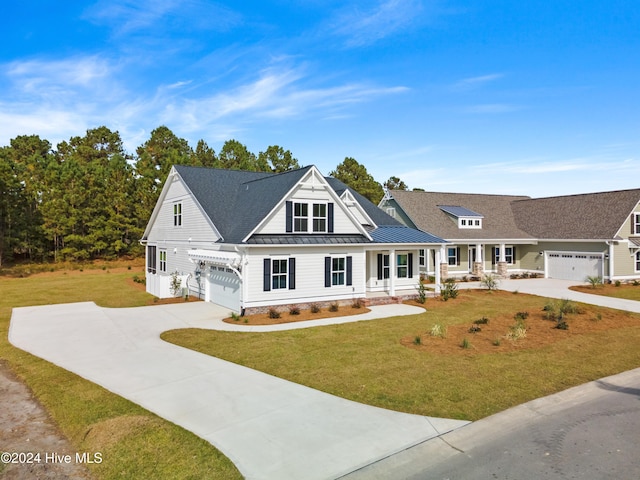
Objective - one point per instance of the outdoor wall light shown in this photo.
(541, 252)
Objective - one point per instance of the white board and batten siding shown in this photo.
(574, 265)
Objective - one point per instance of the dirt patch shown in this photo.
(286, 317)
(26, 428)
(628, 291)
(496, 336)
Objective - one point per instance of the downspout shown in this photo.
(243, 287)
(611, 265)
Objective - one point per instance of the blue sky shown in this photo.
(531, 97)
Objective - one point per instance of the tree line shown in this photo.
(91, 199)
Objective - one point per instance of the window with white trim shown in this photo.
(421, 257)
(403, 265)
(469, 223)
(300, 217)
(453, 256)
(636, 224)
(338, 270)
(319, 217)
(637, 261)
(508, 255)
(177, 214)
(279, 274)
(151, 258)
(163, 261)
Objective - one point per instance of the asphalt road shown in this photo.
(587, 432)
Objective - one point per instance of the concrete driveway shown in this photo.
(270, 428)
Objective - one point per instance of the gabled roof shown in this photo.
(585, 216)
(238, 201)
(425, 211)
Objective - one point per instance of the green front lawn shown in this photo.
(367, 362)
(134, 443)
(626, 291)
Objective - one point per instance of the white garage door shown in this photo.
(224, 288)
(574, 266)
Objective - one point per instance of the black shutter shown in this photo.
(289, 213)
(633, 224)
(330, 217)
(513, 255)
(267, 275)
(494, 257)
(349, 270)
(292, 274)
(458, 256)
(410, 265)
(380, 260)
(327, 271)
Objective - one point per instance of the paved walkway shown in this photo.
(270, 428)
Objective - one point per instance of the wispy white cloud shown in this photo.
(476, 82)
(364, 27)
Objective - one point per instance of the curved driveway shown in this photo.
(270, 428)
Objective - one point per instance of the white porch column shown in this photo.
(437, 268)
(501, 257)
(393, 267)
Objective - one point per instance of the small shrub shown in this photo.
(438, 330)
(594, 281)
(521, 316)
(128, 267)
(525, 275)
(417, 340)
(490, 282)
(635, 283)
(357, 303)
(497, 342)
(235, 316)
(562, 325)
(465, 343)
(422, 291)
(294, 311)
(475, 329)
(334, 307)
(481, 321)
(617, 283)
(517, 331)
(273, 313)
(138, 279)
(449, 289)
(315, 308)
(598, 317)
(514, 276)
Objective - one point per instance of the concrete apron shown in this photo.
(270, 428)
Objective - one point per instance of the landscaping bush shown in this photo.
(334, 307)
(490, 282)
(315, 308)
(294, 311)
(357, 303)
(438, 330)
(422, 291)
(273, 313)
(481, 321)
(594, 281)
(449, 289)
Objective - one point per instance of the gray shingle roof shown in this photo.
(586, 216)
(237, 201)
(423, 208)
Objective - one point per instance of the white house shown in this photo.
(252, 240)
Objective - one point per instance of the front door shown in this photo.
(472, 258)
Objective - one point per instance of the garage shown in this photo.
(574, 265)
(221, 277)
(223, 288)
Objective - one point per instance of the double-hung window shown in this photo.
(422, 259)
(508, 257)
(319, 217)
(279, 274)
(637, 261)
(636, 224)
(177, 214)
(338, 271)
(163, 261)
(403, 265)
(453, 256)
(300, 217)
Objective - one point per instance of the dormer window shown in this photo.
(304, 217)
(465, 218)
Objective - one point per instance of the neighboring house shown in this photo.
(252, 240)
(567, 237)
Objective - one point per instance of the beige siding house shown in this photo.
(570, 237)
